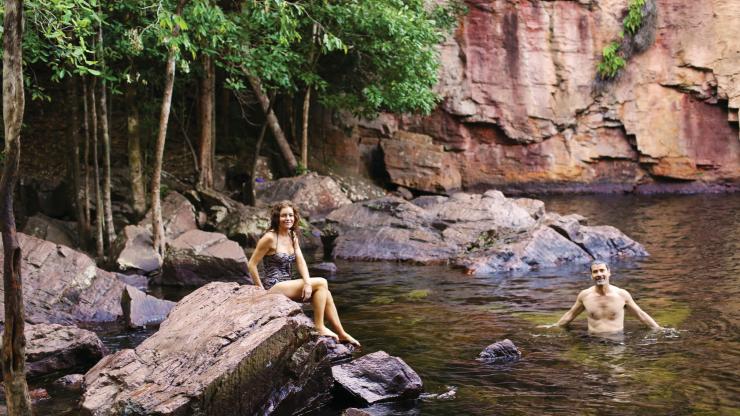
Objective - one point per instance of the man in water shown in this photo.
(605, 304)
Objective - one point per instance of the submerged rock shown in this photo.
(500, 351)
(378, 377)
(225, 349)
(53, 347)
(199, 257)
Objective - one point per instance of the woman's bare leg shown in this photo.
(333, 317)
(294, 290)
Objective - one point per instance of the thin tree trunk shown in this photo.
(274, 124)
(74, 122)
(86, 161)
(107, 205)
(158, 237)
(225, 103)
(205, 118)
(304, 128)
(250, 195)
(14, 342)
(135, 164)
(100, 250)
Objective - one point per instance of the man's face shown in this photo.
(600, 274)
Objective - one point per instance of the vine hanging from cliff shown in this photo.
(638, 33)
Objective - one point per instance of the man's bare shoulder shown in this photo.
(585, 292)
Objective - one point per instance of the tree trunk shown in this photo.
(100, 251)
(86, 161)
(304, 128)
(107, 206)
(274, 124)
(249, 194)
(157, 226)
(74, 134)
(224, 112)
(135, 159)
(205, 118)
(14, 342)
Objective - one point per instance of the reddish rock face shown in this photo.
(521, 105)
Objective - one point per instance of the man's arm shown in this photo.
(639, 313)
(574, 311)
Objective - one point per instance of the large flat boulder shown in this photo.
(199, 257)
(225, 349)
(61, 285)
(314, 195)
(481, 233)
(378, 377)
(53, 347)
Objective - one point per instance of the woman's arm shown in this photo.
(263, 246)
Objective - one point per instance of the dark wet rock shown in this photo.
(314, 195)
(338, 352)
(225, 349)
(500, 351)
(53, 347)
(178, 216)
(326, 268)
(199, 257)
(135, 251)
(51, 229)
(481, 233)
(136, 280)
(140, 309)
(535, 207)
(378, 377)
(601, 242)
(61, 285)
(70, 382)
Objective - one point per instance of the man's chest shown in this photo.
(604, 306)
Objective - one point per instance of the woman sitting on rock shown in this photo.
(277, 250)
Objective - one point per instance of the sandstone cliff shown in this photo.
(521, 105)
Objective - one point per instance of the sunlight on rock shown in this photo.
(381, 300)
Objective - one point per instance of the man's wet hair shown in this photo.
(598, 262)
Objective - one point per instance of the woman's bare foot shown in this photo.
(326, 332)
(345, 337)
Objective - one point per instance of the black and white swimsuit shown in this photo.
(278, 267)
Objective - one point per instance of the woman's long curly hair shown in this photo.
(275, 216)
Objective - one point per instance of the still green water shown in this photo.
(438, 320)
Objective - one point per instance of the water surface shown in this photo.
(438, 320)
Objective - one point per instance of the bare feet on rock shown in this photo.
(326, 332)
(347, 338)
